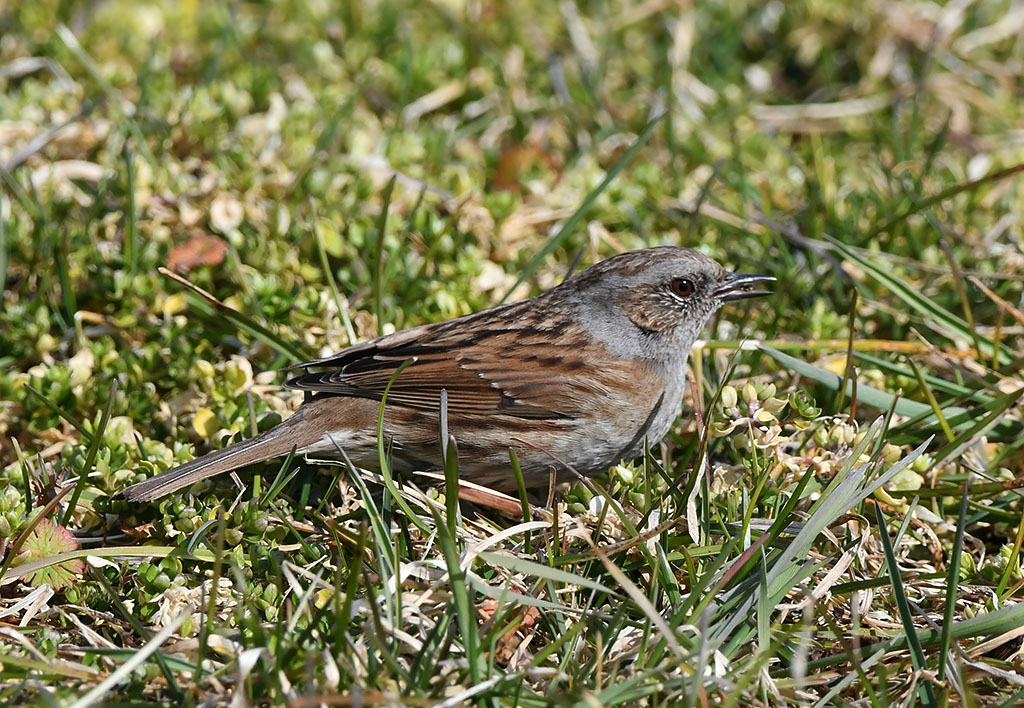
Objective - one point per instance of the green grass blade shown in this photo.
(939, 415)
(378, 264)
(4, 259)
(906, 616)
(113, 97)
(946, 194)
(87, 436)
(90, 456)
(382, 458)
(209, 305)
(464, 611)
(993, 414)
(340, 302)
(881, 400)
(953, 585)
(131, 231)
(928, 309)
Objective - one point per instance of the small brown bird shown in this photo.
(579, 375)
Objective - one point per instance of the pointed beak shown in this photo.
(739, 286)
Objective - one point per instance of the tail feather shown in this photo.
(293, 433)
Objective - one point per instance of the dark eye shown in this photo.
(682, 287)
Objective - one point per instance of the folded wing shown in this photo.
(498, 362)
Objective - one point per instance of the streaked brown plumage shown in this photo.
(581, 375)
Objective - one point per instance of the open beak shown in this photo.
(739, 286)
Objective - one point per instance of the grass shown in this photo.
(195, 195)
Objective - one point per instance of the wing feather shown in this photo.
(498, 362)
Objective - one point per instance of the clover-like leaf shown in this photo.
(48, 539)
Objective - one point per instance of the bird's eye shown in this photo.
(682, 287)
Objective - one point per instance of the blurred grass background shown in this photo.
(867, 155)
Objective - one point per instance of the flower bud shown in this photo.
(967, 569)
(837, 436)
(820, 437)
(921, 464)
(891, 453)
(749, 393)
(10, 499)
(906, 480)
(46, 342)
(624, 473)
(729, 397)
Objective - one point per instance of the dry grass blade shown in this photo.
(522, 565)
(1003, 304)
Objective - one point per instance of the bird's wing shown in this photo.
(505, 361)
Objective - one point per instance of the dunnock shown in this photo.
(579, 375)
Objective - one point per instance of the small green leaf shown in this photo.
(48, 539)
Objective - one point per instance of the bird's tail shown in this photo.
(297, 432)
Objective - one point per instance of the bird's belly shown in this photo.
(591, 445)
(609, 440)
